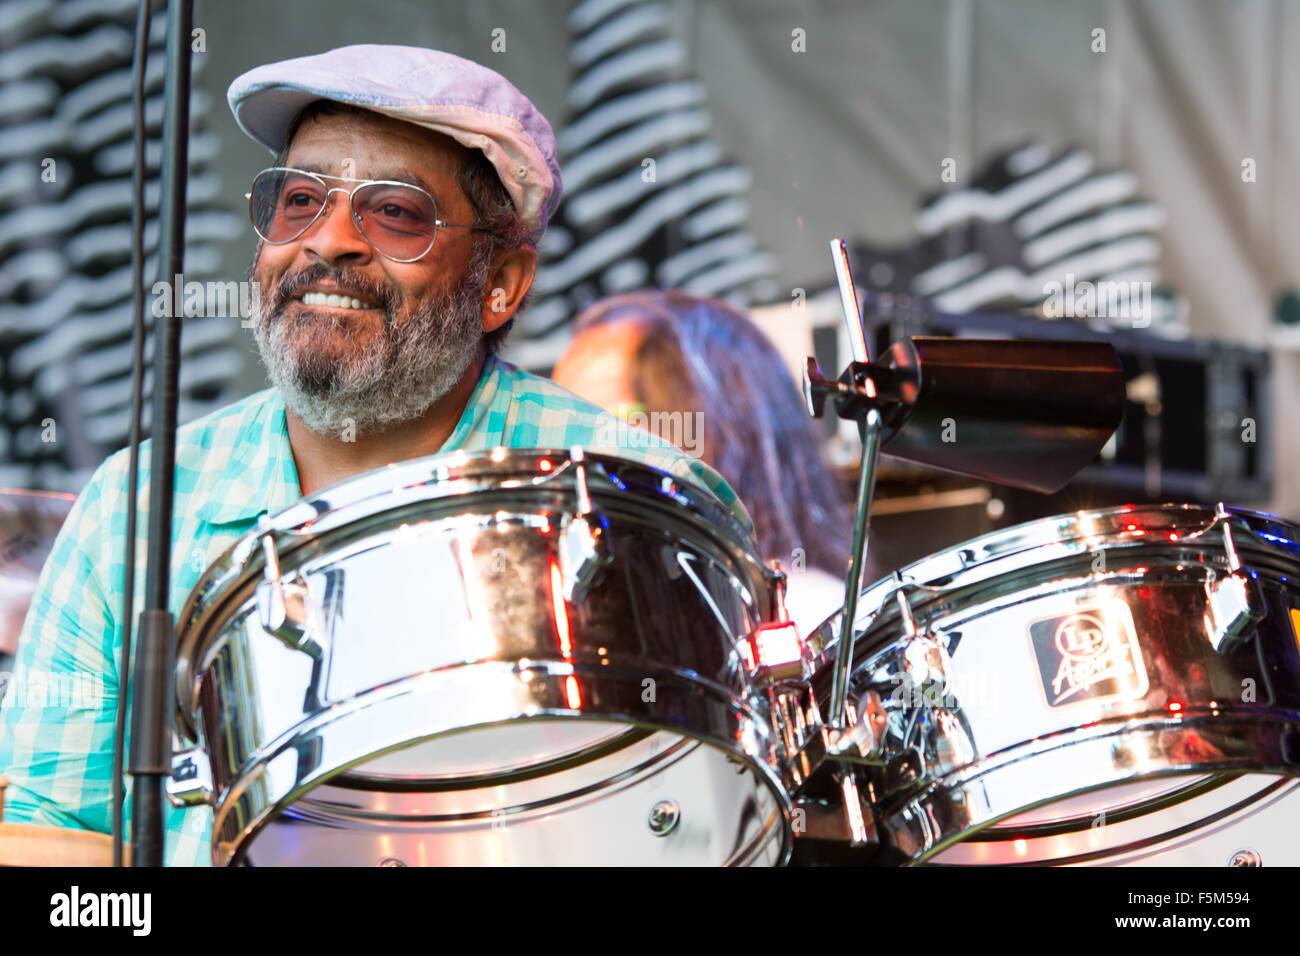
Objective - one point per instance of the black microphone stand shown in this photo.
(150, 758)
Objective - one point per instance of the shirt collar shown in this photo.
(482, 423)
(260, 476)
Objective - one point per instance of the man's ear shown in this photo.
(512, 276)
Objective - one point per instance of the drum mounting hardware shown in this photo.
(190, 783)
(861, 741)
(774, 651)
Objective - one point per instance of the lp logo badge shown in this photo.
(1090, 655)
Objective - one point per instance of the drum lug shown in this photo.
(583, 547)
(857, 817)
(1236, 605)
(281, 612)
(1236, 600)
(283, 606)
(583, 552)
(190, 783)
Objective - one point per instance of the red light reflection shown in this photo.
(561, 611)
(572, 692)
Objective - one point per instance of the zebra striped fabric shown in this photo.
(66, 160)
(1033, 229)
(651, 200)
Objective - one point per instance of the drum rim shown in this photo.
(437, 481)
(1019, 547)
(452, 476)
(437, 476)
(901, 815)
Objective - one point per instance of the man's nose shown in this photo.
(334, 236)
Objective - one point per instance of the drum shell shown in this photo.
(440, 605)
(978, 728)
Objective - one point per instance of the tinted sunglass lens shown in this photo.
(283, 204)
(400, 221)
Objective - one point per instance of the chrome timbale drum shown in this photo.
(1116, 687)
(511, 658)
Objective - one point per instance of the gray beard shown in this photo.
(396, 376)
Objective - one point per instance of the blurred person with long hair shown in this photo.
(702, 376)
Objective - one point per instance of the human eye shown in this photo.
(301, 197)
(397, 208)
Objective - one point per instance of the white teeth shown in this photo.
(337, 301)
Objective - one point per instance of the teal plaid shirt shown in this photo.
(57, 715)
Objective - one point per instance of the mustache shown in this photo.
(292, 285)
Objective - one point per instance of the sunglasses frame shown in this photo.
(356, 219)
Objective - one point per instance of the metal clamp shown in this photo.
(190, 783)
(863, 740)
(927, 670)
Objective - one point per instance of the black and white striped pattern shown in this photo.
(65, 277)
(1028, 219)
(633, 98)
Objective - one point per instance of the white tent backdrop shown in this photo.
(846, 135)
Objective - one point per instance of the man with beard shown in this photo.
(398, 230)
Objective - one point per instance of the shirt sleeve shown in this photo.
(58, 710)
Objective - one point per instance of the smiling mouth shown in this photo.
(333, 301)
